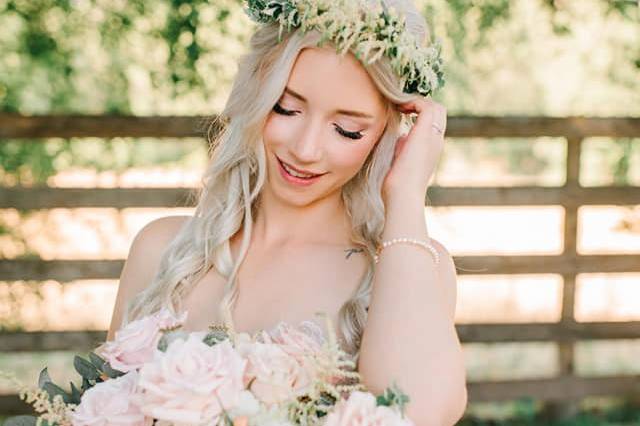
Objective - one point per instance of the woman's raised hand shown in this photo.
(417, 153)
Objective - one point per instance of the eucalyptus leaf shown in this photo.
(53, 390)
(111, 372)
(86, 369)
(43, 377)
(85, 384)
(76, 395)
(97, 361)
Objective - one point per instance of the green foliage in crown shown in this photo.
(370, 32)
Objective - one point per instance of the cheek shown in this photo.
(271, 131)
(353, 154)
(276, 130)
(350, 157)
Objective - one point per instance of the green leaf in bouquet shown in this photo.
(43, 378)
(85, 368)
(53, 390)
(97, 361)
(393, 395)
(214, 337)
(75, 394)
(324, 405)
(217, 333)
(327, 398)
(382, 400)
(163, 343)
(85, 384)
(169, 336)
(111, 372)
(20, 421)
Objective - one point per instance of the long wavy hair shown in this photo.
(232, 182)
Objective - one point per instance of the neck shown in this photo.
(279, 223)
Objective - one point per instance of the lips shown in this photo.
(304, 172)
(296, 181)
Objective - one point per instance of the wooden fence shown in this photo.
(562, 390)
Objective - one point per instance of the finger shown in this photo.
(439, 123)
(426, 114)
(442, 117)
(402, 140)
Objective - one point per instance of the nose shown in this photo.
(308, 145)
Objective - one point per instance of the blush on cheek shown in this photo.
(273, 130)
(279, 135)
(349, 161)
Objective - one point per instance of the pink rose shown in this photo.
(191, 382)
(273, 374)
(360, 409)
(304, 339)
(109, 403)
(135, 343)
(303, 343)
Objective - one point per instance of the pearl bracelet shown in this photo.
(424, 244)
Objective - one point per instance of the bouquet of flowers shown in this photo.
(156, 374)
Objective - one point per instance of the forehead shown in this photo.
(329, 80)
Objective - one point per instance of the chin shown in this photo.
(299, 198)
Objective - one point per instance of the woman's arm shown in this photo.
(410, 336)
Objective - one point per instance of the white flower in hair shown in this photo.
(370, 32)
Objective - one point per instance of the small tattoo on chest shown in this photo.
(353, 250)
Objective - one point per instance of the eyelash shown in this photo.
(351, 135)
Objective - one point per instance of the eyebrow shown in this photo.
(339, 111)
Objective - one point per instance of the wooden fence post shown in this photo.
(566, 409)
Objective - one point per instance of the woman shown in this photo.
(311, 174)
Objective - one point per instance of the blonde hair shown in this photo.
(232, 182)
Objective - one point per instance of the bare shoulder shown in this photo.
(142, 262)
(156, 234)
(447, 275)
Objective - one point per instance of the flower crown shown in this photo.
(370, 31)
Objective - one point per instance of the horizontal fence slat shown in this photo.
(547, 389)
(551, 332)
(532, 196)
(543, 264)
(70, 270)
(554, 389)
(47, 197)
(23, 126)
(59, 270)
(118, 198)
(100, 126)
(42, 341)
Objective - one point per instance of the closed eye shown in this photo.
(278, 109)
(351, 135)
